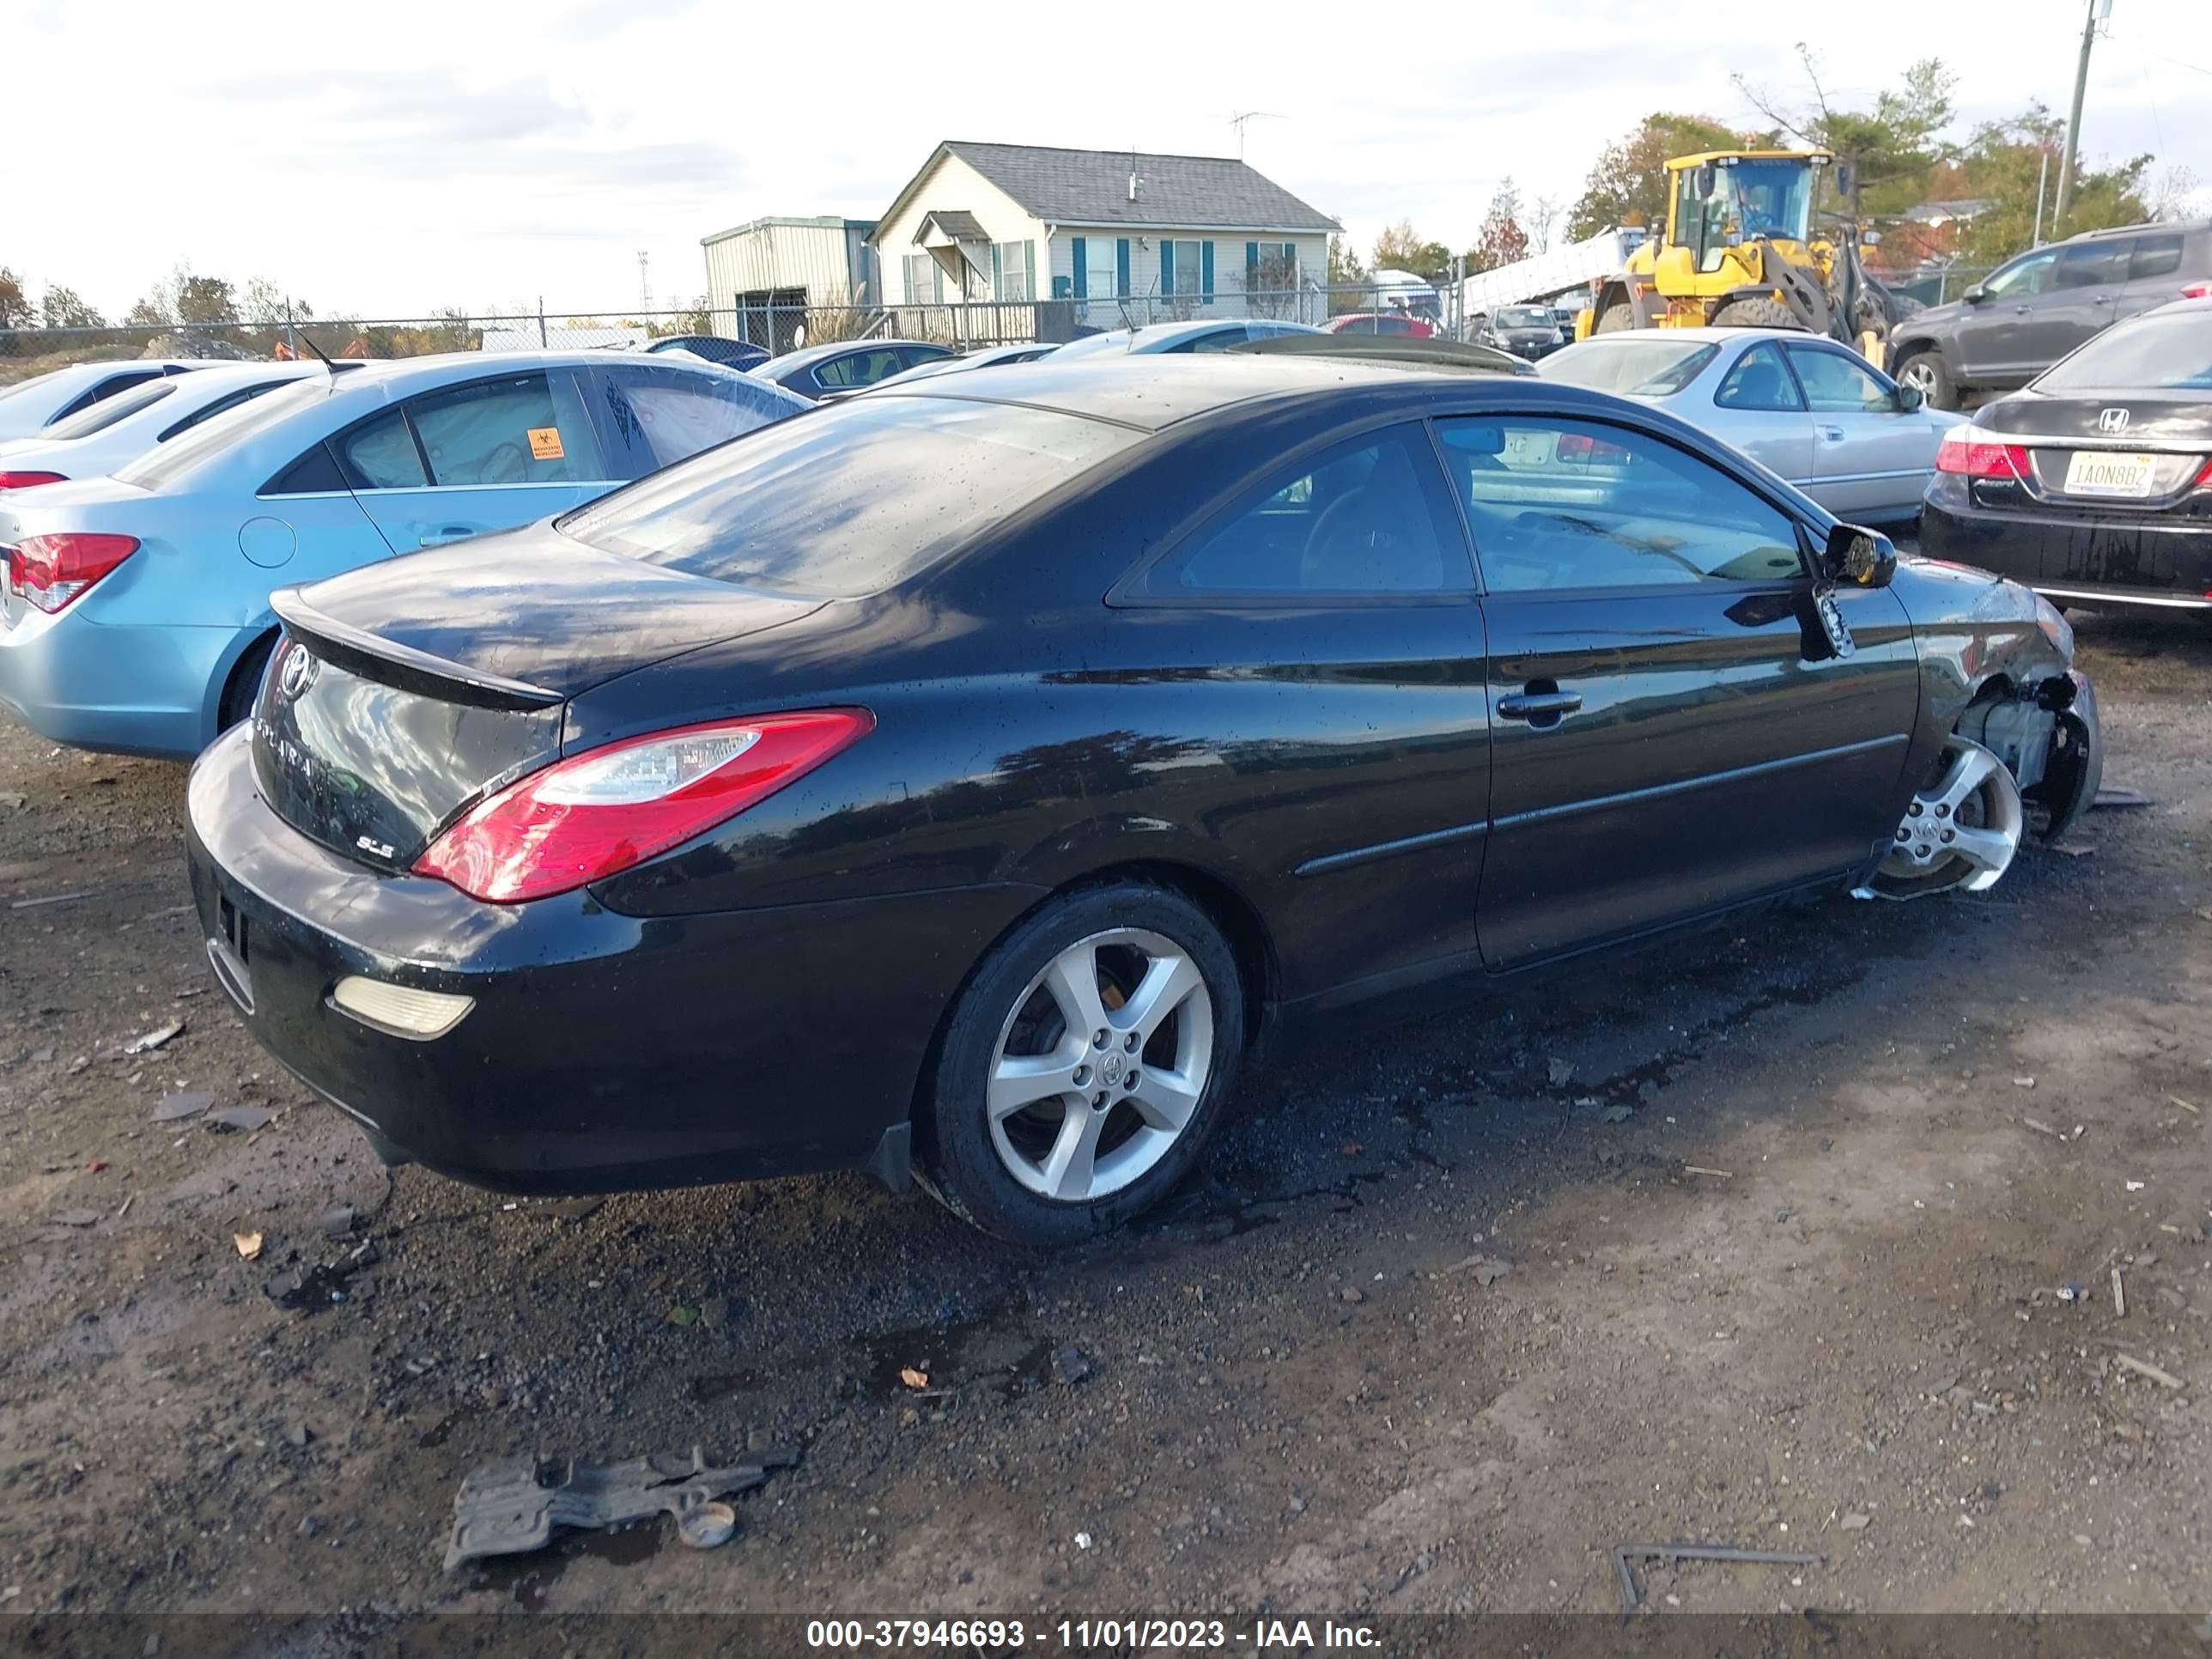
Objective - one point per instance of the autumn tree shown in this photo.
(1628, 185)
(1501, 241)
(62, 308)
(14, 304)
(1400, 247)
(1891, 148)
(205, 300)
(2003, 163)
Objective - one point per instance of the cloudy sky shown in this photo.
(385, 161)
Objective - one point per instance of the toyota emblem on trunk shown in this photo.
(299, 669)
(2111, 420)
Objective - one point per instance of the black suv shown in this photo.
(2027, 314)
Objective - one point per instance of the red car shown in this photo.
(1380, 322)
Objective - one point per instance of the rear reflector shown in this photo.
(1973, 454)
(400, 1009)
(597, 813)
(29, 480)
(51, 571)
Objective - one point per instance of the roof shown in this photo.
(1964, 207)
(1153, 392)
(820, 221)
(1677, 163)
(1091, 187)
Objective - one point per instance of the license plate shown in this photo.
(2100, 472)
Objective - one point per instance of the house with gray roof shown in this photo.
(1124, 236)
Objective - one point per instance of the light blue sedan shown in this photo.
(134, 614)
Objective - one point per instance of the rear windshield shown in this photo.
(160, 467)
(102, 415)
(1525, 316)
(849, 499)
(1650, 368)
(2171, 352)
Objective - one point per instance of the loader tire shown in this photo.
(1614, 317)
(1762, 311)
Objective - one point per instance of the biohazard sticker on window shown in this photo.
(545, 443)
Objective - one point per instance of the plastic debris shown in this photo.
(248, 1245)
(183, 1103)
(147, 1041)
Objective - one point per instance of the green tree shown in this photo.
(1628, 185)
(1400, 247)
(62, 308)
(1346, 274)
(151, 311)
(206, 299)
(1891, 148)
(2003, 163)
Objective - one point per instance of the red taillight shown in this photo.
(602, 811)
(51, 571)
(2198, 291)
(29, 480)
(1971, 454)
(2204, 478)
(1580, 447)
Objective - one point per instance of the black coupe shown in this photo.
(955, 781)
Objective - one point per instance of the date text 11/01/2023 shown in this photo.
(1079, 1635)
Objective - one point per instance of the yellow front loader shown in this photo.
(1740, 251)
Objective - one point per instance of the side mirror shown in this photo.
(1976, 294)
(1859, 557)
(1909, 400)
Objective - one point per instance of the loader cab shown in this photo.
(1723, 199)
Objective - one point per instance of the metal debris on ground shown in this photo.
(147, 1041)
(2164, 1379)
(2119, 1295)
(320, 1285)
(1631, 1594)
(513, 1506)
(1487, 1270)
(247, 1118)
(49, 898)
(1857, 1521)
(182, 1103)
(2072, 849)
(2114, 797)
(1071, 1367)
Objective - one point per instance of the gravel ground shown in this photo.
(1799, 1234)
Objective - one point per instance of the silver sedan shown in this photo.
(1813, 410)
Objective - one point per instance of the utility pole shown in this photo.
(2099, 11)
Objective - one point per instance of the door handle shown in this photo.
(1538, 708)
(1834, 434)
(445, 534)
(2020, 311)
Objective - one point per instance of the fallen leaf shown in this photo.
(95, 1166)
(249, 1245)
(682, 1315)
(1351, 1148)
(913, 1378)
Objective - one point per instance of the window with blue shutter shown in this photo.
(1251, 266)
(1121, 267)
(1081, 248)
(1029, 271)
(1167, 269)
(1205, 273)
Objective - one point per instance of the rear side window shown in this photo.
(381, 454)
(221, 406)
(108, 412)
(2089, 265)
(313, 473)
(1560, 504)
(861, 368)
(523, 429)
(161, 465)
(653, 416)
(1759, 380)
(851, 499)
(1369, 518)
(2154, 256)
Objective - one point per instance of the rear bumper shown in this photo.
(603, 1052)
(2165, 565)
(131, 690)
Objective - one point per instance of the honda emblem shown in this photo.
(2111, 420)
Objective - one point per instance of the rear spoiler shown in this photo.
(360, 651)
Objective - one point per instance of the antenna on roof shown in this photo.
(1240, 119)
(327, 369)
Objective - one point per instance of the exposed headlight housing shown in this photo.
(2055, 627)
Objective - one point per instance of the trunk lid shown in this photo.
(2161, 419)
(403, 693)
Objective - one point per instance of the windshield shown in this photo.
(102, 415)
(1630, 367)
(158, 468)
(2171, 352)
(1772, 198)
(1523, 316)
(2022, 276)
(848, 500)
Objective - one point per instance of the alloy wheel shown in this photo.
(1100, 1066)
(1961, 832)
(1919, 376)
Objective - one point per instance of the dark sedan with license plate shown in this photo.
(2094, 484)
(956, 780)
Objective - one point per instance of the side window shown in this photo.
(381, 454)
(654, 417)
(2154, 256)
(861, 368)
(521, 429)
(2091, 264)
(1759, 381)
(313, 473)
(1368, 518)
(2023, 277)
(1558, 504)
(915, 356)
(1834, 384)
(1219, 340)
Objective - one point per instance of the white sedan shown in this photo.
(102, 436)
(1813, 410)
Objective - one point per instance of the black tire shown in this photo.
(1760, 311)
(956, 1156)
(1614, 317)
(244, 685)
(1926, 369)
